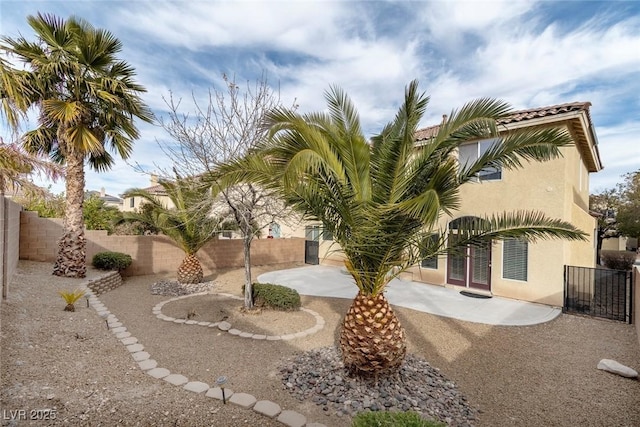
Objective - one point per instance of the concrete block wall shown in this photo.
(154, 254)
(9, 242)
(105, 283)
(39, 237)
(636, 299)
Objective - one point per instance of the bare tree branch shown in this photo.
(223, 128)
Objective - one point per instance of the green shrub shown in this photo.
(618, 260)
(111, 261)
(276, 297)
(392, 419)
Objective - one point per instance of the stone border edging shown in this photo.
(227, 327)
(150, 367)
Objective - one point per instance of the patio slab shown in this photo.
(325, 281)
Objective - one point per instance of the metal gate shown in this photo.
(598, 292)
(311, 252)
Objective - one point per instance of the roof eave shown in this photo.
(586, 137)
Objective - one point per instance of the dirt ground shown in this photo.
(69, 362)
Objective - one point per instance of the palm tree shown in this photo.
(86, 100)
(17, 166)
(381, 200)
(189, 222)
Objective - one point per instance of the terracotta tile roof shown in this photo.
(518, 116)
(157, 189)
(552, 110)
(426, 133)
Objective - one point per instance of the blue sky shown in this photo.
(528, 53)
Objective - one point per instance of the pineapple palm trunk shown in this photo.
(72, 247)
(190, 270)
(372, 340)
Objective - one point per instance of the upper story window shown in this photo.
(470, 152)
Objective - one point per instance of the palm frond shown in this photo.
(383, 201)
(523, 225)
(190, 222)
(74, 77)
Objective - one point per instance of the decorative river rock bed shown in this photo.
(319, 375)
(176, 289)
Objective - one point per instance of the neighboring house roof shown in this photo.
(157, 190)
(575, 114)
(102, 195)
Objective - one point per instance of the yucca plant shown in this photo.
(70, 297)
(382, 199)
(190, 223)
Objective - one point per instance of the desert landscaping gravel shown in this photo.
(73, 366)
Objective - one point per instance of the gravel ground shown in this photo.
(51, 359)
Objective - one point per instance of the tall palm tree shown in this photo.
(87, 100)
(381, 200)
(189, 222)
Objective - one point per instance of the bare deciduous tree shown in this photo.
(225, 127)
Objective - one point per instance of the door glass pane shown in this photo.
(456, 267)
(479, 273)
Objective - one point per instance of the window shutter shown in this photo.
(515, 259)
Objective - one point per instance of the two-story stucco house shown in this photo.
(133, 204)
(559, 188)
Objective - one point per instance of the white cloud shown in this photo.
(528, 53)
(620, 154)
(199, 25)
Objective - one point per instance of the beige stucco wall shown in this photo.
(154, 254)
(559, 188)
(614, 244)
(582, 253)
(139, 201)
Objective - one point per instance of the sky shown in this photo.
(527, 53)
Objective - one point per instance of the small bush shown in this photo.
(618, 260)
(392, 419)
(276, 297)
(111, 261)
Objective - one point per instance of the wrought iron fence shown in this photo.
(311, 252)
(598, 292)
